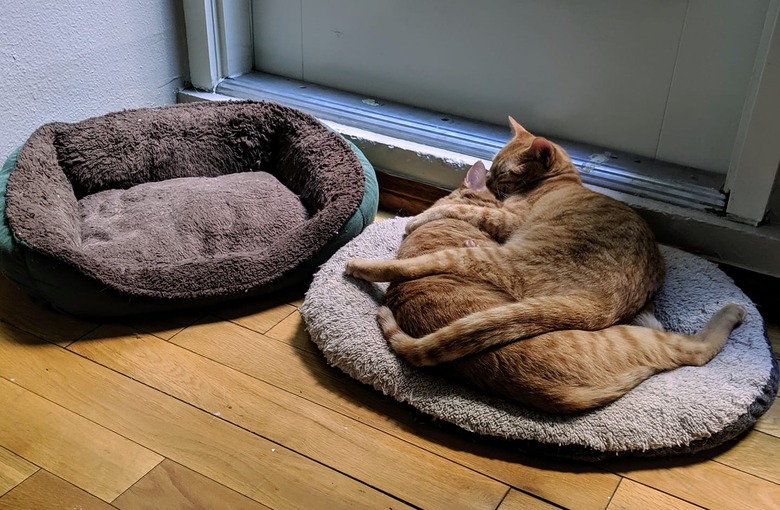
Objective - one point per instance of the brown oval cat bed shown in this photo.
(684, 410)
(162, 208)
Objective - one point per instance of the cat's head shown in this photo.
(526, 161)
(473, 190)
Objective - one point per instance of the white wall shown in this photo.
(663, 79)
(67, 60)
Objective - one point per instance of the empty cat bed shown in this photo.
(684, 410)
(164, 208)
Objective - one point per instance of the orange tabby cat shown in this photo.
(569, 257)
(571, 260)
(425, 304)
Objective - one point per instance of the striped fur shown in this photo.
(521, 297)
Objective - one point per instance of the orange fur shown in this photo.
(517, 297)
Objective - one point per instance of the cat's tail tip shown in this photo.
(404, 345)
(734, 312)
(387, 323)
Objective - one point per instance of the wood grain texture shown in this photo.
(54, 438)
(405, 197)
(516, 500)
(706, 483)
(331, 438)
(257, 316)
(164, 326)
(565, 483)
(292, 330)
(247, 463)
(172, 486)
(304, 373)
(773, 331)
(298, 370)
(769, 423)
(17, 309)
(755, 453)
(13, 470)
(44, 491)
(634, 496)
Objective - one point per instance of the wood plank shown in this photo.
(705, 483)
(292, 330)
(171, 486)
(17, 309)
(69, 446)
(13, 470)
(258, 316)
(569, 484)
(164, 325)
(773, 331)
(43, 490)
(243, 461)
(635, 496)
(360, 451)
(308, 375)
(516, 500)
(405, 197)
(769, 423)
(756, 453)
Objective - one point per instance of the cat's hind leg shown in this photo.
(705, 344)
(634, 355)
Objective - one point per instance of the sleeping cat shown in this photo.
(569, 257)
(424, 305)
(557, 257)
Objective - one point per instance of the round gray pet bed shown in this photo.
(684, 410)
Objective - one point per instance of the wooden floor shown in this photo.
(234, 408)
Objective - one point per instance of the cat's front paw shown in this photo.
(354, 268)
(369, 270)
(434, 213)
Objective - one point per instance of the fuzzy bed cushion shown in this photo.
(162, 208)
(684, 410)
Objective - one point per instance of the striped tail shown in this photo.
(495, 326)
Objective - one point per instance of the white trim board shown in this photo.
(756, 156)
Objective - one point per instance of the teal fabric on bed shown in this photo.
(11, 257)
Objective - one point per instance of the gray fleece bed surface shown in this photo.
(684, 410)
(158, 208)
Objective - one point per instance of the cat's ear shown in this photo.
(475, 177)
(542, 149)
(517, 130)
